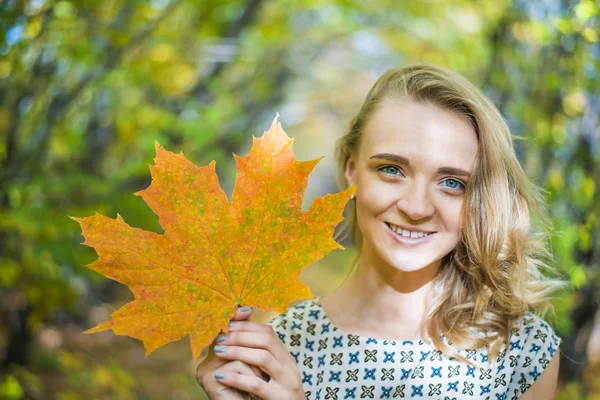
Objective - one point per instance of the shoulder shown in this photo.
(532, 357)
(531, 335)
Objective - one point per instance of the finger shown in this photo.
(211, 362)
(250, 384)
(273, 344)
(250, 326)
(259, 357)
(242, 313)
(207, 366)
(255, 340)
(241, 368)
(207, 354)
(212, 385)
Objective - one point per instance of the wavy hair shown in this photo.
(494, 275)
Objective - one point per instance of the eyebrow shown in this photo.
(404, 161)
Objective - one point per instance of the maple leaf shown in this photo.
(213, 255)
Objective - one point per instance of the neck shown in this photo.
(382, 301)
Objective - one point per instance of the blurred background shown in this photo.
(86, 87)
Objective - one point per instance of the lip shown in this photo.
(412, 229)
(408, 241)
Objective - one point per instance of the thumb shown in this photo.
(242, 313)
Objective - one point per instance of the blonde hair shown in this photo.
(493, 276)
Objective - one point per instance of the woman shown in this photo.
(447, 270)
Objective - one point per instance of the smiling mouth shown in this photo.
(407, 233)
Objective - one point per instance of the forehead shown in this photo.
(424, 133)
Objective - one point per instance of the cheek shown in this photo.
(373, 200)
(454, 218)
(377, 191)
(371, 203)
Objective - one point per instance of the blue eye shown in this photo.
(390, 170)
(454, 184)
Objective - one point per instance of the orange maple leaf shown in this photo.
(214, 256)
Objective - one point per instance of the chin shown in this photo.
(412, 259)
(411, 255)
(412, 263)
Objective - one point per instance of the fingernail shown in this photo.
(219, 375)
(220, 349)
(245, 309)
(221, 338)
(231, 325)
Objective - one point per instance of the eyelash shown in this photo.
(381, 168)
(462, 185)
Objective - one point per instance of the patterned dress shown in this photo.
(337, 365)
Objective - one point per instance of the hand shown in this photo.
(205, 371)
(257, 344)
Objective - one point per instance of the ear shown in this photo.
(350, 170)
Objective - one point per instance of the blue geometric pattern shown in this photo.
(348, 366)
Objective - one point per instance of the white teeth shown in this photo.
(407, 233)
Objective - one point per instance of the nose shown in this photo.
(416, 202)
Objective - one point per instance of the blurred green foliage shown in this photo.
(86, 87)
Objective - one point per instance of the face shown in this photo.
(411, 168)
